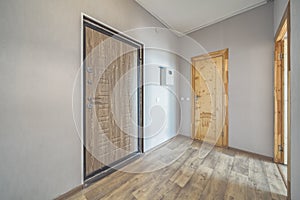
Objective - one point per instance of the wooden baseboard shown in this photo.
(289, 190)
(259, 156)
(70, 193)
(160, 145)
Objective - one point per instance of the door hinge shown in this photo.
(280, 56)
(280, 148)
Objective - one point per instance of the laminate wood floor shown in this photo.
(223, 174)
(283, 169)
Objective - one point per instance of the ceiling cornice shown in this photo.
(178, 33)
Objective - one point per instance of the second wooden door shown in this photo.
(210, 97)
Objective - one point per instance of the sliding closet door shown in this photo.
(112, 98)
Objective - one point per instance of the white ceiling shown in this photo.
(187, 16)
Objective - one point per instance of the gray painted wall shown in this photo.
(161, 104)
(40, 57)
(249, 37)
(161, 107)
(279, 8)
(295, 99)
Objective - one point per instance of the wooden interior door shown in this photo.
(279, 102)
(210, 97)
(112, 98)
(282, 95)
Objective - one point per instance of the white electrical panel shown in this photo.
(169, 77)
(166, 76)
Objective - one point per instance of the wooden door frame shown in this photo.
(284, 27)
(279, 101)
(224, 54)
